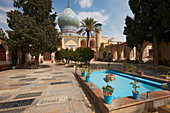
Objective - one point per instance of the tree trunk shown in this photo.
(88, 39)
(156, 50)
(37, 60)
(140, 53)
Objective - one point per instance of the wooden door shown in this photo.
(47, 57)
(2, 53)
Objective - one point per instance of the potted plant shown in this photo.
(76, 68)
(140, 72)
(88, 74)
(125, 66)
(108, 65)
(135, 93)
(107, 69)
(107, 91)
(131, 69)
(99, 66)
(83, 70)
(168, 78)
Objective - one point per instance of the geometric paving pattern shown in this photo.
(47, 101)
(29, 79)
(20, 84)
(58, 73)
(48, 79)
(38, 85)
(13, 111)
(4, 97)
(64, 82)
(26, 95)
(59, 76)
(16, 103)
(61, 91)
(20, 76)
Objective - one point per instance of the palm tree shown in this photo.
(88, 26)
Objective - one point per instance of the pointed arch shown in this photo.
(83, 43)
(92, 44)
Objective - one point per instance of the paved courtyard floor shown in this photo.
(53, 89)
(46, 90)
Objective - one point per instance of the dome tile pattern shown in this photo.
(68, 17)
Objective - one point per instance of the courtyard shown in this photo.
(52, 89)
(47, 90)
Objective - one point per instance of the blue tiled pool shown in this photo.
(121, 84)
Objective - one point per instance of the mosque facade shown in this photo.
(69, 23)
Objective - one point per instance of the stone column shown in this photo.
(98, 40)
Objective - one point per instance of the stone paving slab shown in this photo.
(20, 84)
(26, 95)
(16, 103)
(58, 95)
(4, 97)
(28, 79)
(47, 101)
(13, 111)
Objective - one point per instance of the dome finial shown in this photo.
(68, 3)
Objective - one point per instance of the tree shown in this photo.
(86, 54)
(88, 26)
(2, 33)
(59, 55)
(33, 29)
(151, 18)
(75, 56)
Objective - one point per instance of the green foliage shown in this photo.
(134, 85)
(89, 71)
(102, 49)
(132, 68)
(168, 77)
(86, 54)
(33, 29)
(83, 69)
(99, 65)
(75, 56)
(150, 23)
(110, 57)
(125, 64)
(2, 34)
(108, 88)
(89, 27)
(107, 69)
(60, 54)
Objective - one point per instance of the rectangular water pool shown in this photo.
(121, 84)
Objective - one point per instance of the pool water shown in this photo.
(121, 84)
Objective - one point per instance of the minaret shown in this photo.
(98, 39)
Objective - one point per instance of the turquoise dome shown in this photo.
(68, 17)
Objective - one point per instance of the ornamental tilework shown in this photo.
(73, 39)
(68, 17)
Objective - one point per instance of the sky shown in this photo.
(111, 13)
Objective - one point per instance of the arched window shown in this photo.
(83, 43)
(92, 44)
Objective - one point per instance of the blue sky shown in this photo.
(111, 13)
